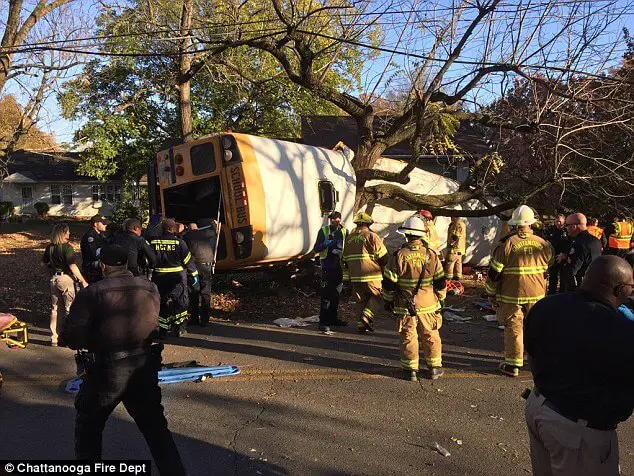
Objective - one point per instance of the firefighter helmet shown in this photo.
(414, 226)
(426, 213)
(522, 215)
(362, 217)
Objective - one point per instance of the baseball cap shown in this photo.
(114, 255)
(99, 219)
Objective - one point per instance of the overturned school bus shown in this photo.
(270, 196)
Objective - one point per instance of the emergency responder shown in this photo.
(516, 281)
(595, 230)
(560, 241)
(171, 279)
(414, 284)
(433, 242)
(90, 245)
(364, 256)
(201, 241)
(59, 259)
(619, 236)
(584, 249)
(329, 244)
(581, 356)
(115, 320)
(141, 256)
(456, 248)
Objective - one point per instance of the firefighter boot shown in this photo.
(509, 370)
(435, 373)
(180, 330)
(410, 375)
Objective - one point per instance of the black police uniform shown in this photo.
(91, 243)
(115, 320)
(581, 356)
(171, 279)
(141, 256)
(584, 249)
(201, 244)
(331, 275)
(558, 237)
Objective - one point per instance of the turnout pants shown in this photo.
(561, 447)
(174, 298)
(511, 316)
(62, 296)
(369, 302)
(453, 266)
(425, 327)
(133, 381)
(200, 300)
(330, 290)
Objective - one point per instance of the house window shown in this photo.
(98, 193)
(56, 197)
(27, 196)
(67, 194)
(113, 193)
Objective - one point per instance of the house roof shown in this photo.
(327, 131)
(29, 167)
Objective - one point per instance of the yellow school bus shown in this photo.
(271, 196)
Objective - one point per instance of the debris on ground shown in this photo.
(456, 440)
(453, 317)
(297, 322)
(490, 318)
(441, 450)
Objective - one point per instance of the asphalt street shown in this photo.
(305, 403)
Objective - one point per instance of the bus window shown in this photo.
(327, 197)
(189, 202)
(203, 158)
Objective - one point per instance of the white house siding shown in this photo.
(83, 205)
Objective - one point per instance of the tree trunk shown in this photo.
(184, 87)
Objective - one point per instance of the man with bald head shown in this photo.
(584, 249)
(582, 358)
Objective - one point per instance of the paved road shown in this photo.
(305, 403)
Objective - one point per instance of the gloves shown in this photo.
(327, 243)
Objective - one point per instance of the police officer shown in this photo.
(115, 320)
(414, 285)
(584, 249)
(90, 245)
(141, 256)
(557, 236)
(329, 244)
(171, 279)
(581, 357)
(201, 241)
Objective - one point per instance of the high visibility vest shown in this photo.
(595, 231)
(622, 236)
(326, 231)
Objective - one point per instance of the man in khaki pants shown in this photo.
(456, 249)
(581, 356)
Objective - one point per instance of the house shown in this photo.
(327, 131)
(53, 178)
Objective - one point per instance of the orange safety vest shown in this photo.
(595, 231)
(622, 236)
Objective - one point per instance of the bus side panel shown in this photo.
(291, 173)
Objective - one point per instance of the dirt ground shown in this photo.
(247, 296)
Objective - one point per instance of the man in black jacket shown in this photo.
(584, 249)
(115, 320)
(558, 237)
(90, 245)
(581, 356)
(141, 256)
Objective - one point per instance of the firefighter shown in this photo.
(329, 245)
(431, 236)
(619, 236)
(415, 284)
(516, 281)
(364, 255)
(171, 279)
(90, 245)
(456, 248)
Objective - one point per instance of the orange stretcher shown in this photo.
(15, 333)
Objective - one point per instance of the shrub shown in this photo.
(42, 209)
(6, 209)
